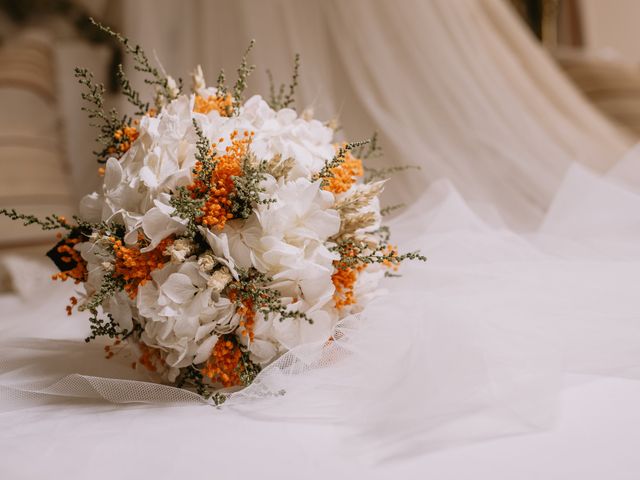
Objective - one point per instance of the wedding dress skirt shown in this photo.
(473, 344)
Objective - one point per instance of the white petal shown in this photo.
(204, 350)
(148, 177)
(178, 288)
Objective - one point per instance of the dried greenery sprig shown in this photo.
(192, 377)
(244, 70)
(132, 95)
(281, 99)
(391, 208)
(248, 188)
(141, 62)
(253, 286)
(108, 123)
(204, 154)
(275, 99)
(184, 203)
(289, 98)
(248, 369)
(354, 252)
(110, 285)
(369, 150)
(338, 159)
(373, 174)
(50, 222)
(221, 89)
(109, 327)
(187, 207)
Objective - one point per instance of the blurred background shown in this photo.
(481, 92)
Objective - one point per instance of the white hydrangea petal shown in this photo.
(112, 174)
(178, 288)
(157, 225)
(204, 350)
(148, 177)
(220, 246)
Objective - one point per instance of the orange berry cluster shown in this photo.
(73, 301)
(70, 255)
(345, 174)
(222, 366)
(344, 279)
(122, 139)
(134, 266)
(221, 104)
(217, 209)
(248, 314)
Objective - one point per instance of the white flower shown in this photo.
(179, 250)
(302, 212)
(166, 94)
(283, 133)
(180, 312)
(95, 254)
(206, 262)
(159, 222)
(220, 247)
(219, 279)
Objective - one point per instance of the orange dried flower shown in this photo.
(217, 209)
(123, 138)
(135, 267)
(222, 366)
(71, 256)
(222, 105)
(345, 174)
(344, 279)
(248, 314)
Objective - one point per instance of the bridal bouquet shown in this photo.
(226, 233)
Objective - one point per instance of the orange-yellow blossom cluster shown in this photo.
(71, 256)
(123, 138)
(134, 266)
(345, 174)
(344, 279)
(221, 104)
(217, 208)
(222, 366)
(248, 314)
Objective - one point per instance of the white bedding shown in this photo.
(596, 437)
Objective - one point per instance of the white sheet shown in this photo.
(596, 437)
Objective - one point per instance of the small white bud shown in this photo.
(219, 279)
(307, 114)
(179, 250)
(206, 262)
(197, 79)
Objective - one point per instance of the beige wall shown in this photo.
(613, 25)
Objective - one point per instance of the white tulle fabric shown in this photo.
(473, 344)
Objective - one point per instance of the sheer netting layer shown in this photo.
(473, 344)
